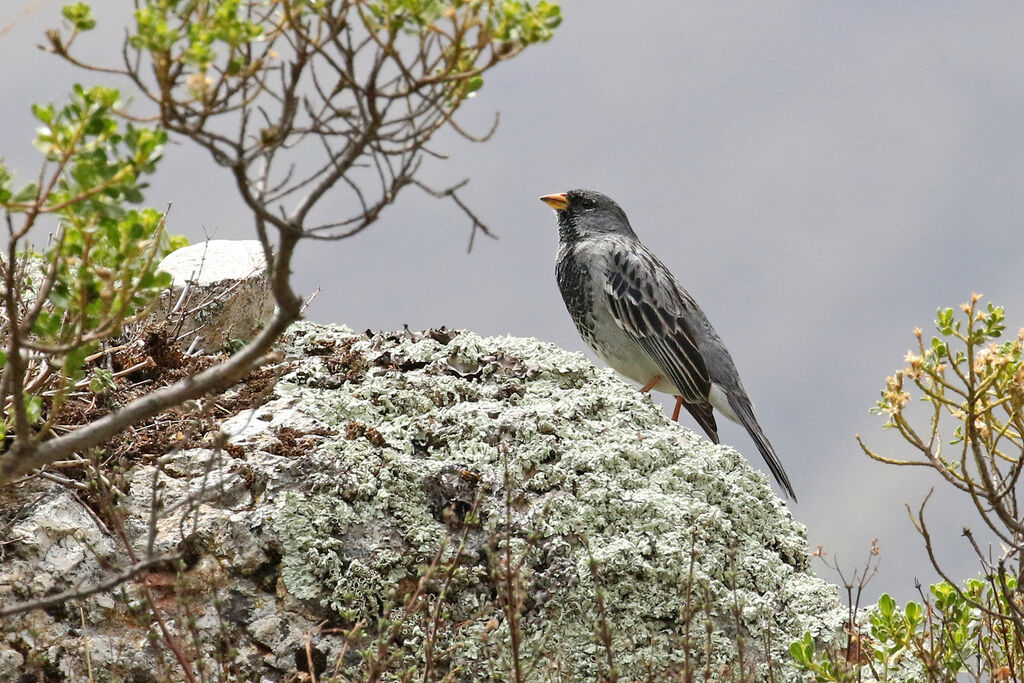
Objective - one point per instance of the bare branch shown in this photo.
(478, 225)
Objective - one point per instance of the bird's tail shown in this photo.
(745, 412)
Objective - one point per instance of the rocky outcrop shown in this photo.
(390, 482)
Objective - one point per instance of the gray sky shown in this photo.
(821, 176)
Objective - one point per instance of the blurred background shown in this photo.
(820, 176)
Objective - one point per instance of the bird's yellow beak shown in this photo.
(558, 202)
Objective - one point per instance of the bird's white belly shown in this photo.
(622, 354)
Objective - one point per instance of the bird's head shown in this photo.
(585, 212)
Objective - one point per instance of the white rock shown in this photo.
(214, 261)
(220, 291)
(252, 427)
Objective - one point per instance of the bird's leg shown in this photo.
(675, 413)
(650, 385)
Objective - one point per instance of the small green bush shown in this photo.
(967, 376)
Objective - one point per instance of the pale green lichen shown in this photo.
(676, 525)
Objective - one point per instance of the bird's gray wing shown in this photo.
(645, 303)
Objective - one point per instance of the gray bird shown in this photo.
(639, 320)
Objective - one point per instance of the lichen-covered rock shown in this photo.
(417, 485)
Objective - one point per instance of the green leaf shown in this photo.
(802, 650)
(102, 380)
(80, 15)
(913, 612)
(74, 361)
(43, 112)
(26, 193)
(33, 408)
(177, 242)
(796, 651)
(132, 194)
(233, 346)
(886, 605)
(47, 325)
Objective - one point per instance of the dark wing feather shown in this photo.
(644, 302)
(704, 414)
(740, 405)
